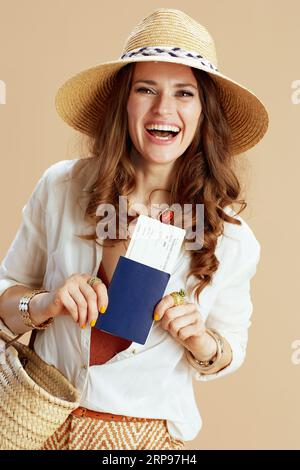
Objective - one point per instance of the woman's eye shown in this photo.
(143, 89)
(188, 93)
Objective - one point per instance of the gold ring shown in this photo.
(93, 280)
(178, 297)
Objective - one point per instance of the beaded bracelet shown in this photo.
(204, 366)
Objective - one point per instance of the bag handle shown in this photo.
(14, 340)
(31, 341)
(7, 332)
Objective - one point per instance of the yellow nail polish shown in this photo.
(103, 309)
(83, 327)
(93, 323)
(156, 317)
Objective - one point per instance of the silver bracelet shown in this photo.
(204, 366)
(24, 311)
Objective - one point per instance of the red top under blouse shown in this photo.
(104, 346)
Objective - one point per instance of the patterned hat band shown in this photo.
(169, 52)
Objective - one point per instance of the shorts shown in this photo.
(86, 433)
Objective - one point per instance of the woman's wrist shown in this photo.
(219, 361)
(37, 311)
(205, 349)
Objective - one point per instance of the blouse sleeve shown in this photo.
(25, 261)
(232, 309)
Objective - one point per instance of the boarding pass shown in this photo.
(155, 244)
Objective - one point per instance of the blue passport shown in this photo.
(133, 293)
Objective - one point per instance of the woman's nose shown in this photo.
(163, 104)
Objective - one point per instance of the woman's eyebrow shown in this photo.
(176, 85)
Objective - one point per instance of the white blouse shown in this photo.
(152, 380)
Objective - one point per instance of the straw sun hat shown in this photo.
(167, 35)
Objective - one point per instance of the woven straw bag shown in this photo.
(35, 398)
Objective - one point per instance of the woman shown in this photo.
(140, 396)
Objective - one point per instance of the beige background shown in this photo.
(43, 43)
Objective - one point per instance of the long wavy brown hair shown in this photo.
(204, 174)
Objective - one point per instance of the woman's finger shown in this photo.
(174, 312)
(101, 290)
(92, 301)
(63, 298)
(182, 321)
(166, 302)
(81, 304)
(97, 299)
(102, 295)
(189, 331)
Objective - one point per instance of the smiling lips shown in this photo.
(162, 133)
(157, 137)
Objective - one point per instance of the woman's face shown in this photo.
(171, 98)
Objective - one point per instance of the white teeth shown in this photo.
(160, 127)
(168, 137)
(163, 138)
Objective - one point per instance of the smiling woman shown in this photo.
(194, 166)
(161, 120)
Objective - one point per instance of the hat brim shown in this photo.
(80, 101)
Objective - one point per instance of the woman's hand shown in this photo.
(185, 324)
(75, 298)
